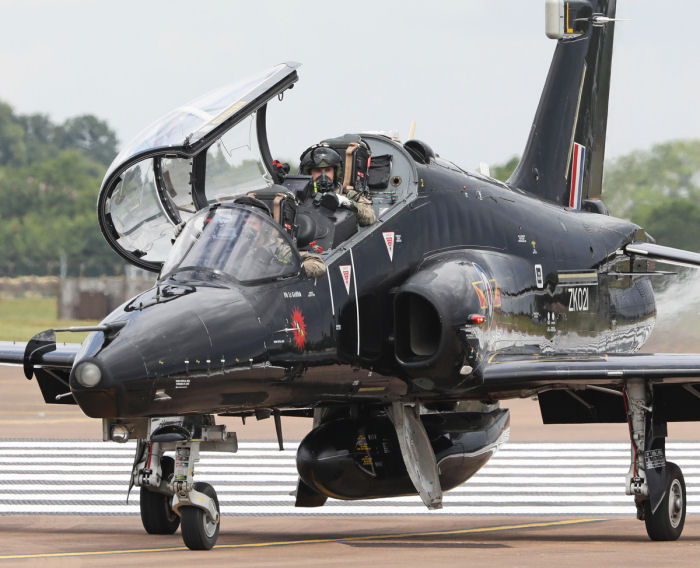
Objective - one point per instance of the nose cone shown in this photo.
(176, 341)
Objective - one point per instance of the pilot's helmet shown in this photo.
(319, 156)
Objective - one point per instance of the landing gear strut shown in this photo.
(657, 485)
(196, 503)
(169, 495)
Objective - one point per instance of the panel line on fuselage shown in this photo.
(357, 299)
(330, 289)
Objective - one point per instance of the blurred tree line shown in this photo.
(659, 189)
(50, 176)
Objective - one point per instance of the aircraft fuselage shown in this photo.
(545, 278)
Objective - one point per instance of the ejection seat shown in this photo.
(318, 228)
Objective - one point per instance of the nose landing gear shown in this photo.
(196, 503)
(169, 496)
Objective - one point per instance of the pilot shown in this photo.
(313, 265)
(324, 165)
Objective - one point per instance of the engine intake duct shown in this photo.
(429, 310)
(421, 328)
(361, 459)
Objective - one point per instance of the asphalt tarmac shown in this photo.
(341, 541)
(542, 541)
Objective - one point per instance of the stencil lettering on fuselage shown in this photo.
(578, 299)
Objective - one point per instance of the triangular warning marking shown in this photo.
(389, 241)
(346, 271)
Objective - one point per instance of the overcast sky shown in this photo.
(470, 72)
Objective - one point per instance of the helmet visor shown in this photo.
(321, 157)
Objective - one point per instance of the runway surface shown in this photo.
(348, 541)
(91, 478)
(99, 476)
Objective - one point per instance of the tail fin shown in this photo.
(563, 159)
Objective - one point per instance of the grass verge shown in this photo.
(21, 318)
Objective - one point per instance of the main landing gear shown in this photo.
(169, 496)
(657, 485)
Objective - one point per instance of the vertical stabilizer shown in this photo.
(563, 159)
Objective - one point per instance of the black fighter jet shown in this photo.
(464, 292)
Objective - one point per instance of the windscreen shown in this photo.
(232, 241)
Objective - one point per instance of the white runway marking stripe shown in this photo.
(233, 499)
(65, 477)
(237, 460)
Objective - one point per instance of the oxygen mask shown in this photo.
(323, 183)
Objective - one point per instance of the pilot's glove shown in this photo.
(279, 170)
(333, 200)
(345, 203)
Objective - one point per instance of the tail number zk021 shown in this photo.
(578, 299)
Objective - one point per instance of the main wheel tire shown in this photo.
(157, 513)
(668, 520)
(198, 532)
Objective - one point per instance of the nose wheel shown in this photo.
(666, 523)
(157, 513)
(199, 530)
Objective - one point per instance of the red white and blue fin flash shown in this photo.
(577, 176)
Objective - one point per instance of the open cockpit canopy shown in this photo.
(208, 151)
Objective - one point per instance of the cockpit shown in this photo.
(211, 152)
(231, 242)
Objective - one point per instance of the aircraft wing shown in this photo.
(533, 371)
(50, 362)
(575, 389)
(62, 357)
(12, 352)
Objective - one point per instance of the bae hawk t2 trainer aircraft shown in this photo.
(465, 291)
